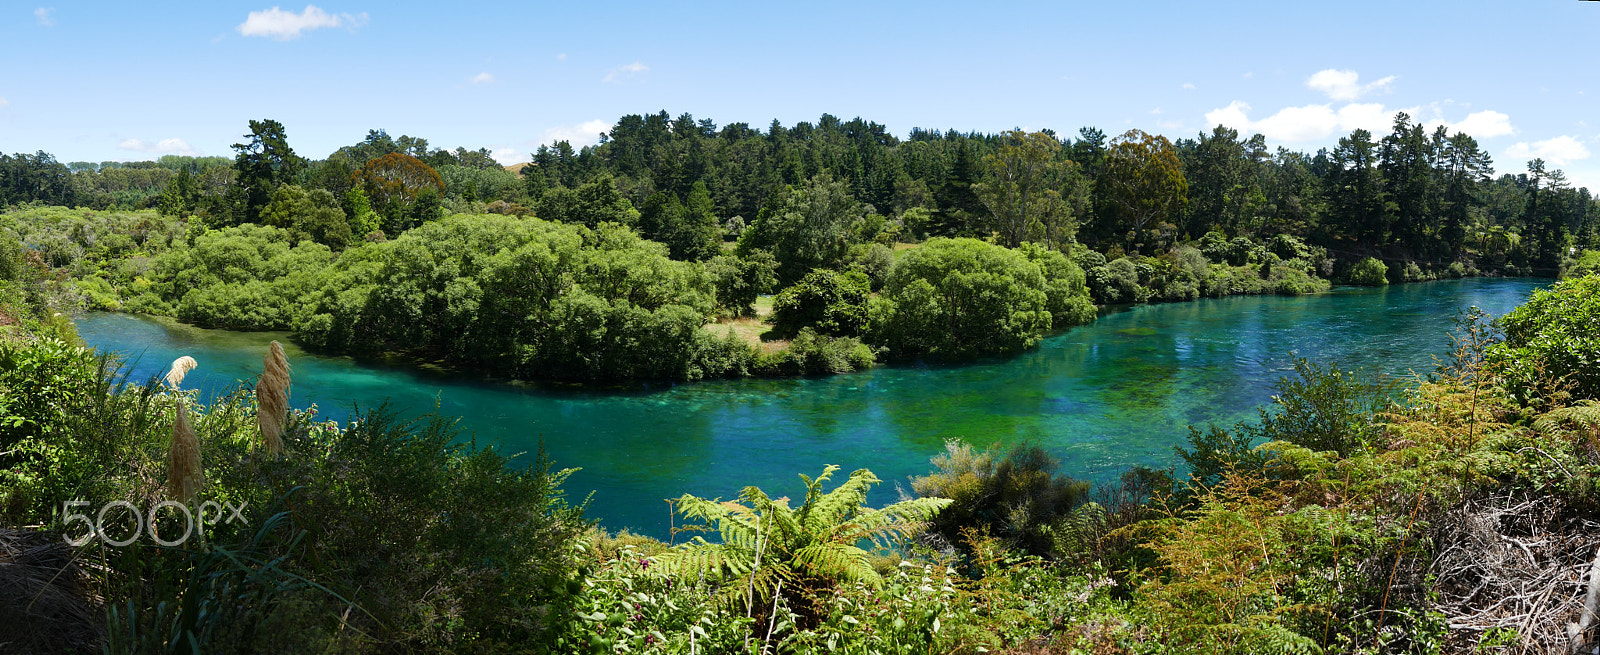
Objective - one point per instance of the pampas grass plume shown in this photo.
(180, 368)
(184, 475)
(272, 399)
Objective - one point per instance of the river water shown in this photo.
(1101, 397)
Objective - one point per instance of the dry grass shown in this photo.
(44, 607)
(184, 475)
(272, 399)
(748, 330)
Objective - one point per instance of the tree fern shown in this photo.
(821, 539)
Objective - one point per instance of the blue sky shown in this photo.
(123, 81)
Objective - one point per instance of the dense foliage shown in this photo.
(825, 301)
(963, 297)
(522, 297)
(1551, 352)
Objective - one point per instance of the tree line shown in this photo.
(1408, 196)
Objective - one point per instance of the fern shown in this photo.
(763, 540)
(1585, 414)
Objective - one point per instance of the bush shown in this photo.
(812, 354)
(739, 280)
(1368, 272)
(1587, 263)
(1116, 282)
(1066, 292)
(955, 298)
(250, 277)
(520, 297)
(829, 302)
(1016, 497)
(872, 260)
(1551, 342)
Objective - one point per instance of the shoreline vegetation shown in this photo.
(634, 259)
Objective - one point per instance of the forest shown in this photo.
(662, 240)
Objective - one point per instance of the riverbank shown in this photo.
(1103, 397)
(1356, 494)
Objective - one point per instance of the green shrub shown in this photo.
(829, 302)
(1553, 341)
(520, 297)
(1368, 272)
(739, 280)
(812, 354)
(1065, 289)
(1587, 263)
(954, 298)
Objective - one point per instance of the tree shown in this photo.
(829, 302)
(739, 280)
(1465, 167)
(1360, 204)
(690, 231)
(311, 214)
(596, 201)
(1224, 189)
(1025, 189)
(1405, 161)
(812, 228)
(262, 163)
(957, 298)
(1143, 190)
(394, 183)
(181, 195)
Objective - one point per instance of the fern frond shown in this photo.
(845, 500)
(702, 559)
(840, 561)
(1585, 413)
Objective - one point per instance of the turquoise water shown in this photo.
(1101, 397)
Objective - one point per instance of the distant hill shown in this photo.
(517, 168)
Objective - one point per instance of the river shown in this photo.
(1101, 397)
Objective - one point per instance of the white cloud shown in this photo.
(506, 155)
(1480, 124)
(482, 78)
(1345, 84)
(1156, 111)
(163, 147)
(580, 135)
(1236, 115)
(1558, 151)
(561, 57)
(1188, 86)
(286, 25)
(43, 14)
(625, 71)
(1308, 123)
(4, 103)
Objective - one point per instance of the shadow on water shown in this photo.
(1101, 397)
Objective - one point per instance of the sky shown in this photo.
(97, 81)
